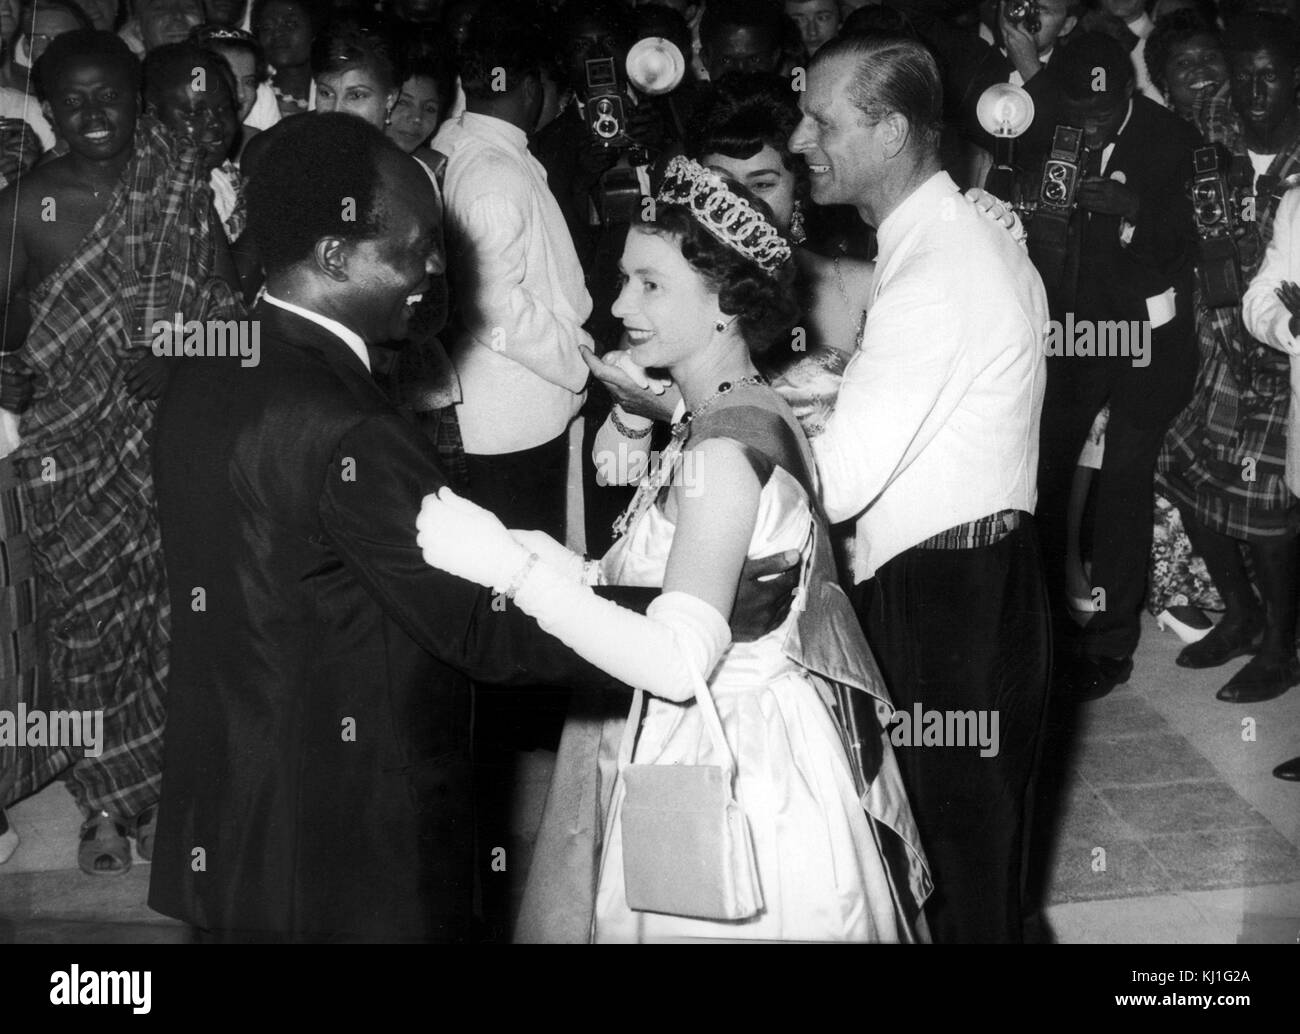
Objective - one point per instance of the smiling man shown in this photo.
(947, 379)
(104, 240)
(319, 712)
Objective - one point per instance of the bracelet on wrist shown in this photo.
(629, 432)
(517, 582)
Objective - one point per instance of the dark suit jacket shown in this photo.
(317, 751)
(1154, 153)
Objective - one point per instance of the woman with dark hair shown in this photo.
(356, 72)
(1185, 60)
(423, 100)
(707, 290)
(741, 130)
(285, 29)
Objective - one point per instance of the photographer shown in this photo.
(1119, 253)
(574, 149)
(1225, 460)
(1029, 35)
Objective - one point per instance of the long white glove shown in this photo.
(464, 539)
(657, 652)
(556, 555)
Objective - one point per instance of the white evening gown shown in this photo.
(819, 866)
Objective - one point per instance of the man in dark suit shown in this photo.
(317, 748)
(1125, 270)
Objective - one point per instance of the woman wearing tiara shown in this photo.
(802, 709)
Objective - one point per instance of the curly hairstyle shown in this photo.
(83, 45)
(499, 41)
(743, 112)
(764, 305)
(1174, 28)
(297, 188)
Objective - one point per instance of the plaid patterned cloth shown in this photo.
(22, 676)
(84, 469)
(1224, 460)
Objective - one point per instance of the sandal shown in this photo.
(104, 849)
(146, 826)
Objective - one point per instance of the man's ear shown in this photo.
(331, 255)
(1067, 26)
(48, 112)
(895, 132)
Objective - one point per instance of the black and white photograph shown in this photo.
(492, 473)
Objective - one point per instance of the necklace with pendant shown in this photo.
(653, 483)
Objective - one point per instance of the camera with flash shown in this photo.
(654, 67)
(1025, 13)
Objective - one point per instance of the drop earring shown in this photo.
(797, 232)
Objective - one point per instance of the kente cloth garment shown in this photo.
(803, 709)
(85, 481)
(23, 680)
(1224, 460)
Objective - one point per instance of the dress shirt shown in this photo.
(521, 289)
(1268, 320)
(937, 418)
(348, 337)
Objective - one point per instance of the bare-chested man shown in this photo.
(94, 247)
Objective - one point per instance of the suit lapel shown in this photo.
(294, 331)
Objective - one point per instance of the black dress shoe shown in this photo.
(1289, 770)
(1091, 678)
(1262, 679)
(1223, 644)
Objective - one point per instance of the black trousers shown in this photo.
(1140, 414)
(956, 631)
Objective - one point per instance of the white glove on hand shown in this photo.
(464, 539)
(659, 652)
(553, 554)
(623, 360)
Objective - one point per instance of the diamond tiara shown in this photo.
(727, 216)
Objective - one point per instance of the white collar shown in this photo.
(348, 337)
(916, 207)
(481, 125)
(1141, 26)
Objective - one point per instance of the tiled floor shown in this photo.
(1161, 823)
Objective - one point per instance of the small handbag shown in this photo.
(687, 849)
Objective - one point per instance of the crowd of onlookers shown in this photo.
(131, 136)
